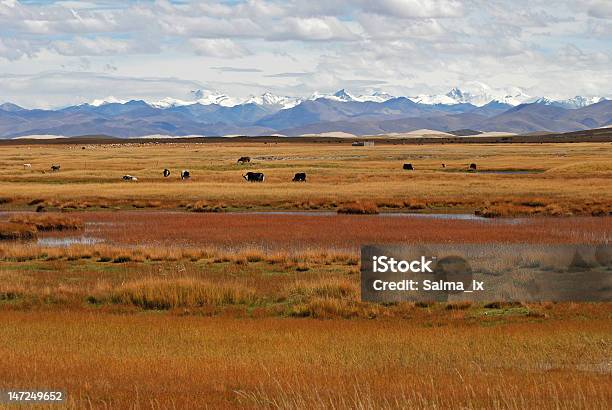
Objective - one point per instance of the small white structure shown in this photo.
(363, 144)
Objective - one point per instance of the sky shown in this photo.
(58, 53)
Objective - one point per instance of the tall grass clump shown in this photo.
(14, 231)
(337, 288)
(165, 294)
(358, 208)
(48, 222)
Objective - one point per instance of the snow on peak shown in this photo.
(340, 95)
(514, 96)
(579, 101)
(108, 100)
(169, 102)
(344, 96)
(210, 98)
(377, 96)
(269, 99)
(475, 93)
(542, 100)
(433, 99)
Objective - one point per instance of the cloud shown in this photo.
(601, 9)
(288, 75)
(303, 46)
(14, 49)
(313, 29)
(416, 9)
(58, 88)
(218, 47)
(99, 46)
(237, 69)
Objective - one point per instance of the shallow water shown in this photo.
(379, 215)
(58, 242)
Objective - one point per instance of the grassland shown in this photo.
(161, 362)
(176, 303)
(557, 179)
(184, 310)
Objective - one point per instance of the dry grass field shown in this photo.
(154, 295)
(153, 361)
(184, 310)
(553, 179)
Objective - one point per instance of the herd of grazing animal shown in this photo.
(249, 176)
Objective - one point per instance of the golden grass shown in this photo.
(338, 288)
(48, 222)
(125, 324)
(162, 361)
(161, 294)
(14, 231)
(566, 178)
(358, 208)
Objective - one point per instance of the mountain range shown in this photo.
(213, 114)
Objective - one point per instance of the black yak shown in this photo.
(299, 177)
(254, 176)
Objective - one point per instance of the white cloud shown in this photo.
(218, 47)
(313, 29)
(13, 49)
(413, 9)
(57, 88)
(99, 46)
(301, 46)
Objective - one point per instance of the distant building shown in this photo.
(363, 144)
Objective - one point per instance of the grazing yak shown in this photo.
(472, 167)
(443, 165)
(244, 160)
(55, 168)
(254, 176)
(299, 177)
(27, 166)
(129, 178)
(166, 173)
(185, 174)
(408, 167)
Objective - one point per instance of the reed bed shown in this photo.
(358, 208)
(162, 294)
(48, 222)
(15, 231)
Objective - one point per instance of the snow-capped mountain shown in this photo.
(108, 100)
(342, 111)
(168, 102)
(211, 98)
(269, 99)
(570, 103)
(475, 93)
(434, 99)
(208, 98)
(578, 102)
(377, 96)
(344, 96)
